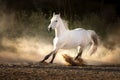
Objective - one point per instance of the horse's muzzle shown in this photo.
(49, 29)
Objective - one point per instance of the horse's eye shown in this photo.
(56, 21)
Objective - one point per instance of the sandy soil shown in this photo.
(44, 71)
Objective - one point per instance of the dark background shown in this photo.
(99, 15)
(71, 8)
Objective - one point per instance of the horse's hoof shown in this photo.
(51, 62)
(42, 61)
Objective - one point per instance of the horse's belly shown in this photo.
(75, 42)
(68, 46)
(71, 44)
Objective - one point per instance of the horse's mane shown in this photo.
(65, 23)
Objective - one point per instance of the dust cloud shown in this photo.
(18, 44)
(27, 49)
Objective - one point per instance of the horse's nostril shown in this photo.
(50, 29)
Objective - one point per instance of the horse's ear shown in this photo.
(53, 13)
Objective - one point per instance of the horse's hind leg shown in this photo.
(79, 53)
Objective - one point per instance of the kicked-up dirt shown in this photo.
(45, 71)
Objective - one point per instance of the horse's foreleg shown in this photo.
(53, 58)
(47, 56)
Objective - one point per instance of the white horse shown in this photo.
(66, 39)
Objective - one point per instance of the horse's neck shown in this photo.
(60, 29)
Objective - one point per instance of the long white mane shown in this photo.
(65, 23)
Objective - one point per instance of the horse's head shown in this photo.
(54, 22)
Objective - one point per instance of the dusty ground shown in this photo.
(57, 72)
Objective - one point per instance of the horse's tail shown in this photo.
(95, 39)
(95, 42)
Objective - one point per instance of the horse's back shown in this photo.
(74, 38)
(79, 32)
(77, 37)
(82, 35)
